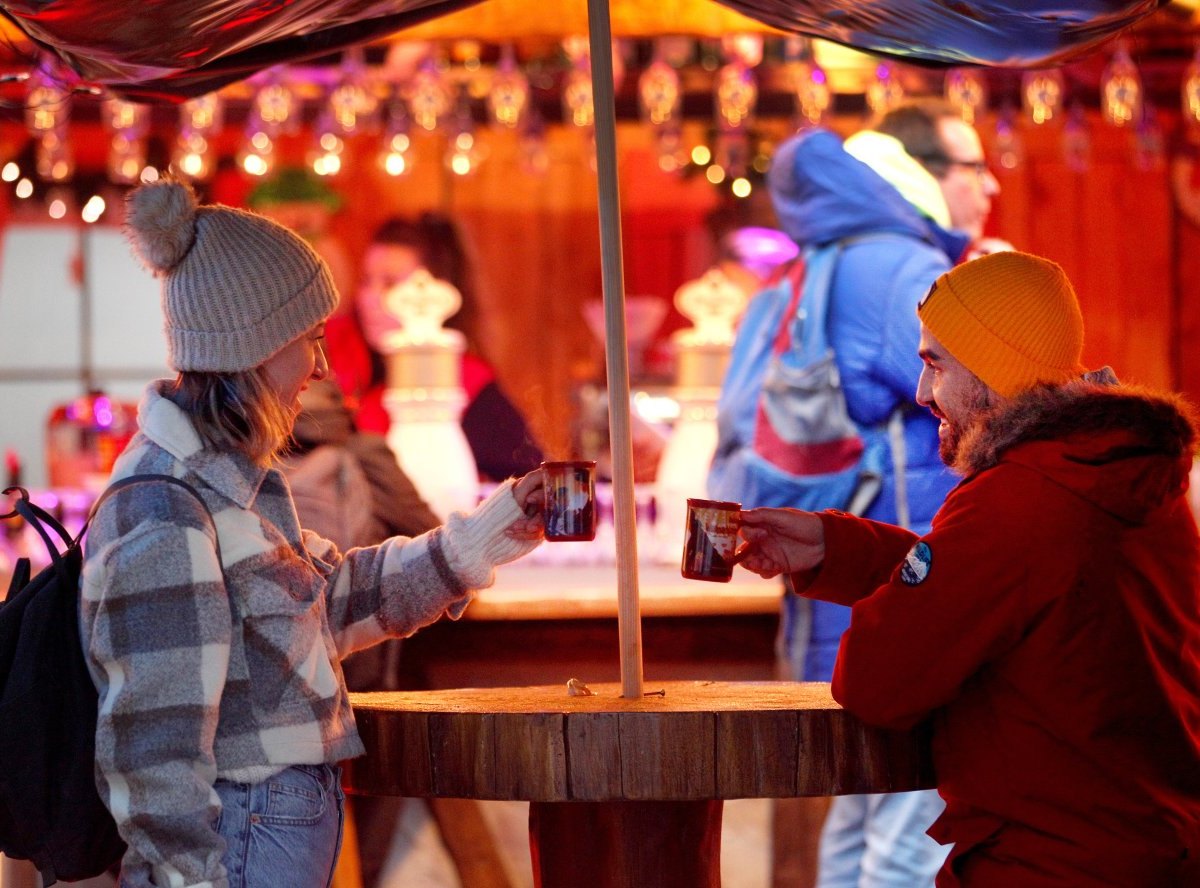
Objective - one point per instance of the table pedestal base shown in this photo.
(626, 844)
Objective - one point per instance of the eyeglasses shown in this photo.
(979, 167)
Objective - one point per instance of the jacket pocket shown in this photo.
(287, 651)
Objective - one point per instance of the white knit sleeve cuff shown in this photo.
(475, 543)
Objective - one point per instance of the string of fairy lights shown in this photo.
(452, 92)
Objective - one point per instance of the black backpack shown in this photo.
(50, 810)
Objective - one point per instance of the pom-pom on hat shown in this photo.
(1010, 318)
(236, 287)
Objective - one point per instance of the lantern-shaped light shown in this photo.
(736, 95)
(659, 93)
(352, 101)
(885, 91)
(430, 97)
(966, 90)
(396, 152)
(199, 119)
(275, 105)
(1042, 93)
(577, 93)
(126, 123)
(1121, 90)
(810, 85)
(256, 157)
(325, 155)
(47, 115)
(508, 96)
(463, 153)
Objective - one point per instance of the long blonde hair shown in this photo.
(236, 411)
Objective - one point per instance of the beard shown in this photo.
(979, 402)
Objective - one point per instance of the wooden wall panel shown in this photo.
(1111, 228)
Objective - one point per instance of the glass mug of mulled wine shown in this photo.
(570, 507)
(711, 540)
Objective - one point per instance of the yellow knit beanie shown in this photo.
(1010, 318)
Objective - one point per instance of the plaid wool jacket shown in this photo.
(232, 669)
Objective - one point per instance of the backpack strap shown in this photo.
(811, 276)
(793, 273)
(39, 519)
(820, 264)
(150, 476)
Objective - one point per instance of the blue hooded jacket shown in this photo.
(822, 194)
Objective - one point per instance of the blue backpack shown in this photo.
(784, 435)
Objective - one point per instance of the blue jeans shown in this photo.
(879, 841)
(285, 832)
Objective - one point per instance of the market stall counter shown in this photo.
(545, 623)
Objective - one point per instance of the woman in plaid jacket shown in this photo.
(216, 644)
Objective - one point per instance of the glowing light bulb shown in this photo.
(93, 209)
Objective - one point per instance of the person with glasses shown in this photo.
(908, 198)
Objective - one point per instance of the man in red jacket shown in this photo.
(1049, 623)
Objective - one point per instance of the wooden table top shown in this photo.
(683, 741)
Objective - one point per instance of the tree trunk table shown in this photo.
(628, 793)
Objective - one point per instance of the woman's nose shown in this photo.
(321, 364)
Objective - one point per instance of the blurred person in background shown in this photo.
(497, 433)
(334, 471)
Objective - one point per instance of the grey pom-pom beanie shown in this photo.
(236, 287)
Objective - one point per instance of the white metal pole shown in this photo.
(629, 621)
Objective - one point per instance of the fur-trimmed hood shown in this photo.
(1124, 448)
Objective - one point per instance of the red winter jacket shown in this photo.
(1050, 625)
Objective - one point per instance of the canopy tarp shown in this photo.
(174, 49)
(169, 50)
